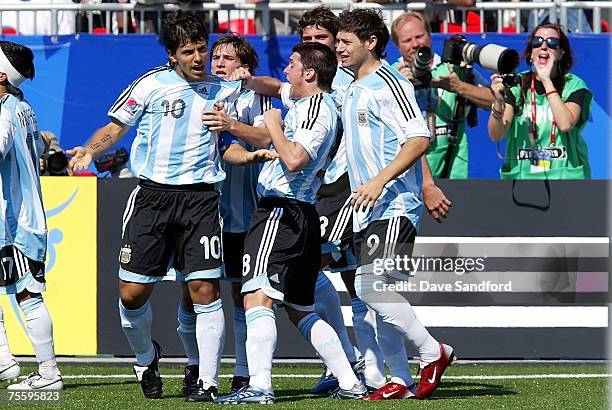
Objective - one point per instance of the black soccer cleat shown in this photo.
(149, 377)
(203, 395)
(190, 381)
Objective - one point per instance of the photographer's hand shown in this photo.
(501, 113)
(405, 70)
(450, 82)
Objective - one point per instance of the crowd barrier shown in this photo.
(79, 77)
(543, 291)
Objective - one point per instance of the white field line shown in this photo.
(314, 376)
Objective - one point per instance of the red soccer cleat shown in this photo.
(432, 373)
(392, 391)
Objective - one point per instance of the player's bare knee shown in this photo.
(204, 292)
(134, 295)
(25, 295)
(186, 302)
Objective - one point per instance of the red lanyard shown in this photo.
(533, 117)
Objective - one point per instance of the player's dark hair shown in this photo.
(244, 50)
(365, 23)
(181, 28)
(320, 16)
(321, 59)
(22, 59)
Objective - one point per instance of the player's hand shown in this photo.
(81, 159)
(217, 119)
(405, 70)
(240, 73)
(437, 204)
(450, 82)
(365, 196)
(261, 155)
(272, 118)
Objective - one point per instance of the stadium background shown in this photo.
(78, 78)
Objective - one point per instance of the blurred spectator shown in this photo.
(38, 22)
(577, 20)
(436, 16)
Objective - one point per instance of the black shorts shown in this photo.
(336, 218)
(171, 227)
(282, 252)
(19, 273)
(379, 245)
(233, 252)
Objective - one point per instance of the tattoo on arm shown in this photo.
(95, 146)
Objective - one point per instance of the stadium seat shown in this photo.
(8, 31)
(237, 26)
(472, 24)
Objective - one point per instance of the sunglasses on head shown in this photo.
(551, 42)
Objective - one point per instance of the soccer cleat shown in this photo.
(10, 372)
(432, 373)
(202, 394)
(392, 391)
(358, 391)
(190, 380)
(35, 381)
(247, 394)
(326, 384)
(238, 382)
(149, 377)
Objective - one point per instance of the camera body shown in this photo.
(421, 67)
(511, 80)
(495, 58)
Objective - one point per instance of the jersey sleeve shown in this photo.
(314, 124)
(400, 111)
(259, 105)
(285, 95)
(6, 133)
(129, 107)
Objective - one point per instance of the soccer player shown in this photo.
(238, 201)
(23, 228)
(172, 218)
(385, 137)
(282, 247)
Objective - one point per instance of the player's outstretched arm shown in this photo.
(237, 155)
(291, 153)
(366, 195)
(103, 139)
(217, 119)
(436, 202)
(268, 86)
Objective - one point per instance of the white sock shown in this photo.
(365, 333)
(393, 350)
(187, 332)
(136, 325)
(327, 305)
(40, 331)
(210, 332)
(260, 345)
(328, 346)
(240, 336)
(5, 353)
(396, 311)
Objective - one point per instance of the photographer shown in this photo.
(53, 162)
(447, 90)
(544, 114)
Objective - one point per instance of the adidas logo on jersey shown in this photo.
(274, 278)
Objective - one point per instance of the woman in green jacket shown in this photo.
(542, 117)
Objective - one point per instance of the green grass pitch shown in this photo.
(470, 386)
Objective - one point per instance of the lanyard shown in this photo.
(534, 132)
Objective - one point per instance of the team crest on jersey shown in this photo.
(125, 256)
(131, 106)
(203, 90)
(362, 117)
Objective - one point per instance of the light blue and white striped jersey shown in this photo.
(379, 115)
(239, 192)
(310, 122)
(172, 145)
(343, 78)
(22, 216)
